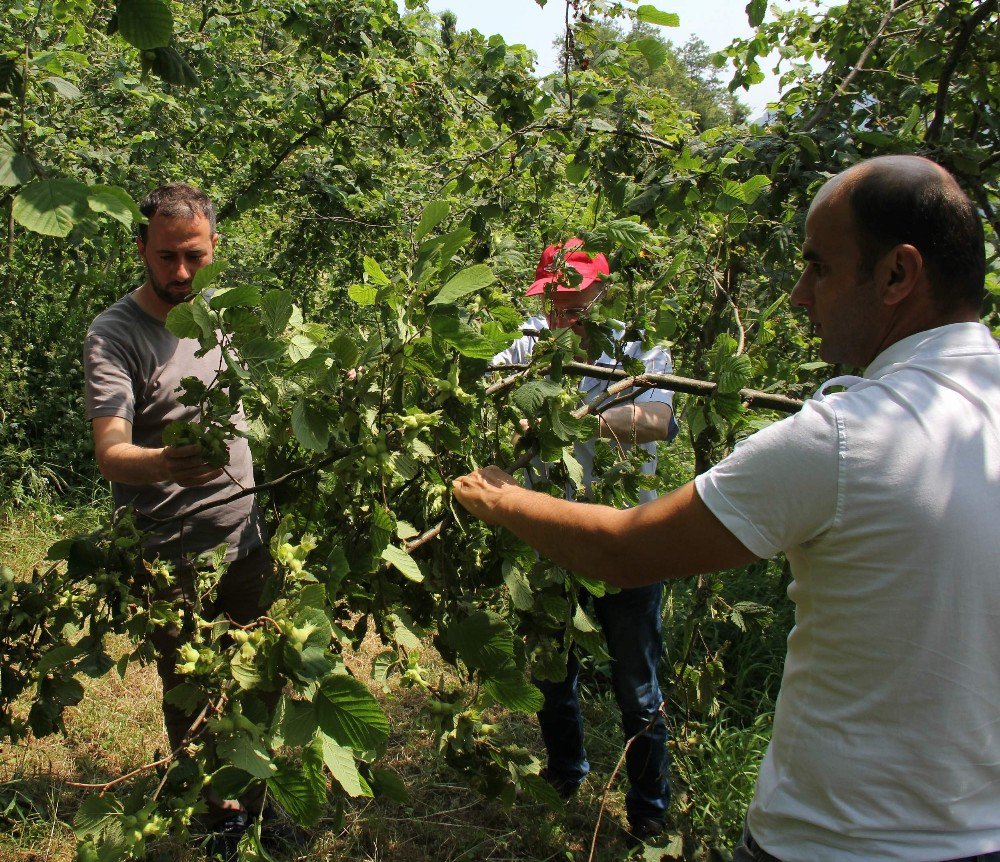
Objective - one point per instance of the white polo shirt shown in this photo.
(886, 499)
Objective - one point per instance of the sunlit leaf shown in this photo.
(434, 213)
(51, 207)
(651, 15)
(348, 713)
(465, 282)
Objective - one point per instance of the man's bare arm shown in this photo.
(670, 537)
(636, 423)
(120, 460)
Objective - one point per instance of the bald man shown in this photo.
(884, 493)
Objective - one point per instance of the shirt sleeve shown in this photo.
(780, 487)
(109, 388)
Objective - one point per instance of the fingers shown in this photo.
(186, 466)
(479, 492)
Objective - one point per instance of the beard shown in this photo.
(173, 292)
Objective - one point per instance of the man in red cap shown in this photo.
(572, 282)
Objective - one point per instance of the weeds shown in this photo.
(118, 726)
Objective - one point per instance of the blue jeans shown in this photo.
(749, 850)
(631, 620)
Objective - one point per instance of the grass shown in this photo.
(118, 727)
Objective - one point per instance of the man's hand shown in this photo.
(186, 465)
(122, 461)
(481, 492)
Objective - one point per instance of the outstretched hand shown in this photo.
(482, 491)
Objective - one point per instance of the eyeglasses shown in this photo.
(574, 313)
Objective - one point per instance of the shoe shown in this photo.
(225, 838)
(563, 786)
(643, 830)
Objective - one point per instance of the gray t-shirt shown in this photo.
(133, 366)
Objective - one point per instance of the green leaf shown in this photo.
(755, 12)
(296, 721)
(654, 50)
(537, 788)
(446, 324)
(310, 427)
(382, 530)
(116, 203)
(15, 169)
(576, 171)
(51, 207)
(246, 295)
(363, 294)
(518, 586)
(61, 87)
(389, 785)
(181, 322)
(95, 815)
(345, 350)
(206, 276)
(651, 15)
(734, 373)
(374, 272)
(300, 788)
(751, 189)
(340, 761)
(512, 690)
(530, 397)
(467, 281)
(145, 24)
(484, 641)
(434, 213)
(347, 712)
(171, 67)
(403, 562)
(247, 754)
(276, 310)
(56, 656)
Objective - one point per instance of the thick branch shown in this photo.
(752, 398)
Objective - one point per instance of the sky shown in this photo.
(716, 22)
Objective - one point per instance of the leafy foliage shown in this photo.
(384, 184)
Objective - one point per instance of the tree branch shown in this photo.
(231, 207)
(824, 110)
(754, 399)
(969, 26)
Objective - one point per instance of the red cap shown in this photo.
(590, 268)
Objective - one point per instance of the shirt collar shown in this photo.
(964, 337)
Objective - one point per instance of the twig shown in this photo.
(163, 760)
(607, 787)
(265, 486)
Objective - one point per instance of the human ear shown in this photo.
(900, 271)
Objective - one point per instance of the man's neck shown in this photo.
(149, 302)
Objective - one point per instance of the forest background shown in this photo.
(385, 184)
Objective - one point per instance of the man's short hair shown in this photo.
(176, 200)
(928, 210)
